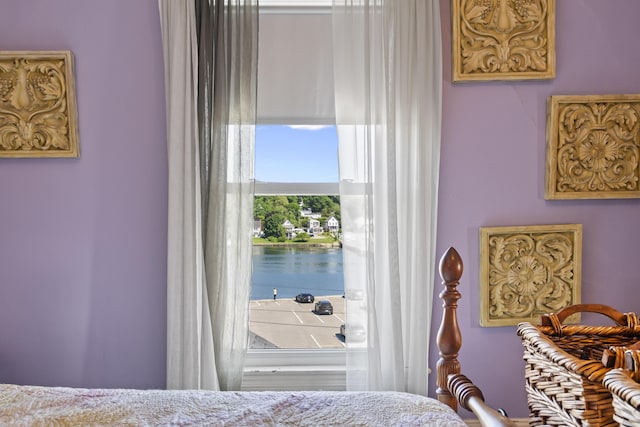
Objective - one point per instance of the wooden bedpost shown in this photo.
(449, 339)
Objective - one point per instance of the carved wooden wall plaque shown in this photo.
(528, 271)
(38, 115)
(503, 39)
(593, 147)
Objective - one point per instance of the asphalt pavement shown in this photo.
(285, 323)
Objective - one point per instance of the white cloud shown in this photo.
(308, 127)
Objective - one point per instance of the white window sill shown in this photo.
(294, 370)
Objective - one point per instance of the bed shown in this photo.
(35, 405)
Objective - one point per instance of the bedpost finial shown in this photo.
(451, 266)
(449, 339)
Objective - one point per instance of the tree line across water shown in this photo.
(272, 211)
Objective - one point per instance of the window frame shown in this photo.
(262, 188)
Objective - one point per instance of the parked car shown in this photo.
(304, 298)
(324, 307)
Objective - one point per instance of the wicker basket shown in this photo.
(626, 397)
(563, 366)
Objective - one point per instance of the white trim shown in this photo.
(290, 380)
(270, 358)
(298, 369)
(295, 6)
(296, 188)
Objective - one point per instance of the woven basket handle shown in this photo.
(555, 319)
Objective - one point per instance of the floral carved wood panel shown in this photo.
(38, 116)
(503, 39)
(593, 147)
(528, 271)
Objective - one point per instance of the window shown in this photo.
(296, 343)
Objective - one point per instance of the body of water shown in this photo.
(294, 270)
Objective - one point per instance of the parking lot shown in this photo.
(286, 323)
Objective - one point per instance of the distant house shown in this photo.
(288, 228)
(308, 213)
(287, 225)
(257, 228)
(332, 225)
(314, 226)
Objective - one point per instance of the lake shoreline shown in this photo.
(299, 245)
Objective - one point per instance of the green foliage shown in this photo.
(289, 208)
(327, 206)
(263, 206)
(330, 236)
(272, 226)
(302, 237)
(286, 206)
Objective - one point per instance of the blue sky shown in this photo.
(296, 153)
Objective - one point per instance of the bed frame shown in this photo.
(453, 386)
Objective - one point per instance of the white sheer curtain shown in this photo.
(210, 54)
(388, 85)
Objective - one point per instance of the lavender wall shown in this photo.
(83, 241)
(492, 174)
